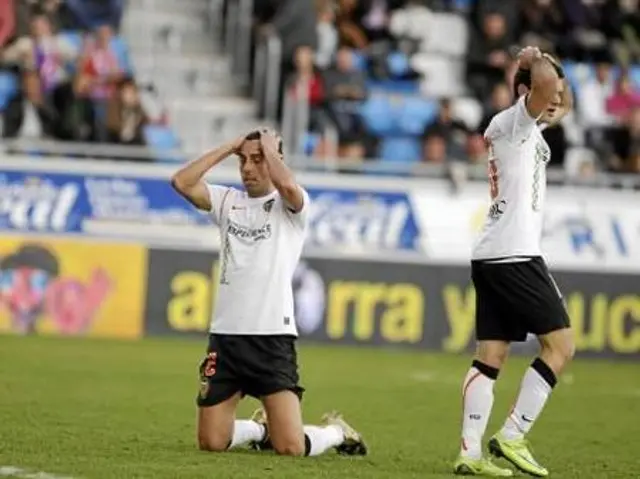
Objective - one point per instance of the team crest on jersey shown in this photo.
(268, 205)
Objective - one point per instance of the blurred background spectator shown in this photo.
(407, 83)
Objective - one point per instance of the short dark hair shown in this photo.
(257, 134)
(523, 77)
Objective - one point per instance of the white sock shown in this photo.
(533, 395)
(477, 401)
(245, 431)
(322, 439)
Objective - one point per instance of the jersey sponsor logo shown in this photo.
(252, 234)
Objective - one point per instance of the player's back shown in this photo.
(517, 182)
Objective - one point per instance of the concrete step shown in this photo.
(147, 20)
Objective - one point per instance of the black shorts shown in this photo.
(253, 365)
(514, 299)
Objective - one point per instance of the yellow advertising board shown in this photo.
(71, 287)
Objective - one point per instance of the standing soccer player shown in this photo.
(515, 294)
(252, 336)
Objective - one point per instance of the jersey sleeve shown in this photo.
(218, 195)
(301, 217)
(522, 122)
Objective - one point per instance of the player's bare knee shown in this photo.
(289, 448)
(492, 353)
(558, 349)
(213, 443)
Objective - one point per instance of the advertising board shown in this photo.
(391, 304)
(71, 287)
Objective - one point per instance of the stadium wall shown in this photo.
(112, 251)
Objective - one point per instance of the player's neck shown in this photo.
(261, 193)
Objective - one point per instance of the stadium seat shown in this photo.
(398, 64)
(359, 61)
(74, 37)
(415, 114)
(122, 53)
(8, 88)
(310, 142)
(161, 140)
(378, 115)
(403, 87)
(400, 150)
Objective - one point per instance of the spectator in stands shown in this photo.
(99, 72)
(345, 90)
(7, 21)
(585, 26)
(351, 34)
(125, 115)
(327, 36)
(542, 24)
(501, 99)
(625, 141)
(435, 149)
(592, 108)
(624, 99)
(91, 13)
(44, 58)
(624, 15)
(373, 16)
(488, 56)
(453, 131)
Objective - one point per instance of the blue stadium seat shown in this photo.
(634, 75)
(310, 142)
(161, 140)
(359, 61)
(416, 113)
(8, 88)
(402, 87)
(74, 37)
(400, 150)
(398, 64)
(378, 115)
(121, 50)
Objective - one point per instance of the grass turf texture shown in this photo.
(102, 409)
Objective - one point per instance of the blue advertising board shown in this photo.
(51, 202)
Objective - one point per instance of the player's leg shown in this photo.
(217, 428)
(557, 349)
(493, 337)
(274, 379)
(285, 430)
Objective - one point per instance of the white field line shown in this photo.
(12, 471)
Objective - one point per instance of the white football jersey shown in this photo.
(261, 243)
(518, 156)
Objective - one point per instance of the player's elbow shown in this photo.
(177, 183)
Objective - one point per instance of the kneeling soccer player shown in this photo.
(252, 337)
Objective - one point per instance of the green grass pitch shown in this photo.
(108, 409)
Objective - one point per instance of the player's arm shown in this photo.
(281, 176)
(566, 97)
(189, 180)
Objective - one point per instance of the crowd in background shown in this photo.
(73, 73)
(323, 39)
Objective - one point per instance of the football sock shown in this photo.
(477, 401)
(245, 431)
(537, 384)
(318, 439)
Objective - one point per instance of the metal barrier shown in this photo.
(477, 172)
(237, 38)
(266, 75)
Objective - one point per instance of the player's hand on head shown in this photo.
(236, 145)
(527, 56)
(270, 141)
